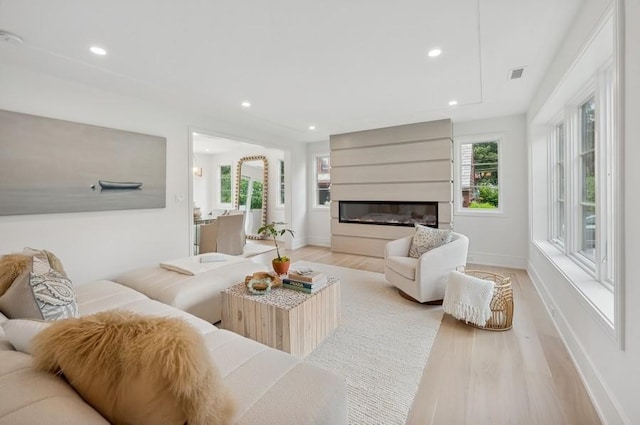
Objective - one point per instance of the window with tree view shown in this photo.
(250, 189)
(479, 179)
(588, 179)
(281, 201)
(225, 184)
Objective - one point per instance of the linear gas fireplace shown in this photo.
(389, 213)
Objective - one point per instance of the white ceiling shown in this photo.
(212, 145)
(341, 65)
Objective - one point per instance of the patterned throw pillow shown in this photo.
(45, 296)
(427, 238)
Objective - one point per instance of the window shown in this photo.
(576, 171)
(225, 184)
(281, 200)
(587, 218)
(558, 225)
(479, 174)
(323, 181)
(581, 217)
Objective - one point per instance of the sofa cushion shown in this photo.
(288, 391)
(11, 266)
(105, 295)
(20, 332)
(36, 295)
(33, 397)
(426, 238)
(137, 369)
(4, 341)
(405, 266)
(199, 295)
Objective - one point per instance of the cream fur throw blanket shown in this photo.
(468, 298)
(137, 369)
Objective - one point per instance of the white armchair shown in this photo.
(423, 279)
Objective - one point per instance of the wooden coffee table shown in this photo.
(285, 319)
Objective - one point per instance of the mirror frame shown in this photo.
(265, 190)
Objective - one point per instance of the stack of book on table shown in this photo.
(309, 281)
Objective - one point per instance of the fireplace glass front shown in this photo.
(389, 213)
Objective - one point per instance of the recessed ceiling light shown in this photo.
(98, 51)
(453, 102)
(434, 53)
(246, 104)
(312, 127)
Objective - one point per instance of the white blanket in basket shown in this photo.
(468, 298)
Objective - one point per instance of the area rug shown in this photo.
(380, 348)
(250, 249)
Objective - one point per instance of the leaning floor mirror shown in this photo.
(251, 192)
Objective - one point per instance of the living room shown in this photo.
(58, 80)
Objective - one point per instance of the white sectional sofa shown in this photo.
(269, 386)
(200, 294)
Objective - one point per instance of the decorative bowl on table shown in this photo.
(261, 283)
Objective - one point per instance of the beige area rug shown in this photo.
(250, 249)
(381, 346)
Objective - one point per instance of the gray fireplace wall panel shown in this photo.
(411, 162)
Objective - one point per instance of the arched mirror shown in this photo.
(251, 192)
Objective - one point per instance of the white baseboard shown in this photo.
(497, 260)
(319, 241)
(606, 406)
(298, 243)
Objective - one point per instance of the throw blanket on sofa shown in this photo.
(199, 264)
(468, 298)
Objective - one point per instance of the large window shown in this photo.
(576, 171)
(479, 174)
(225, 184)
(323, 181)
(580, 182)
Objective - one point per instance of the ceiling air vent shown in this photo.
(516, 73)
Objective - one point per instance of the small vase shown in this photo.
(280, 267)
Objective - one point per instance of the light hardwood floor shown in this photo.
(523, 376)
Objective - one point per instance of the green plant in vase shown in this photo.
(273, 230)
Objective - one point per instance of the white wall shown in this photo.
(203, 185)
(319, 219)
(510, 249)
(98, 245)
(611, 374)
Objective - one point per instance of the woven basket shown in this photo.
(502, 302)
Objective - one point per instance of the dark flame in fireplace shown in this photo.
(389, 213)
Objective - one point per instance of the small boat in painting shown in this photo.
(104, 184)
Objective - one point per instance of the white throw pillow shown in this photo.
(426, 238)
(20, 332)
